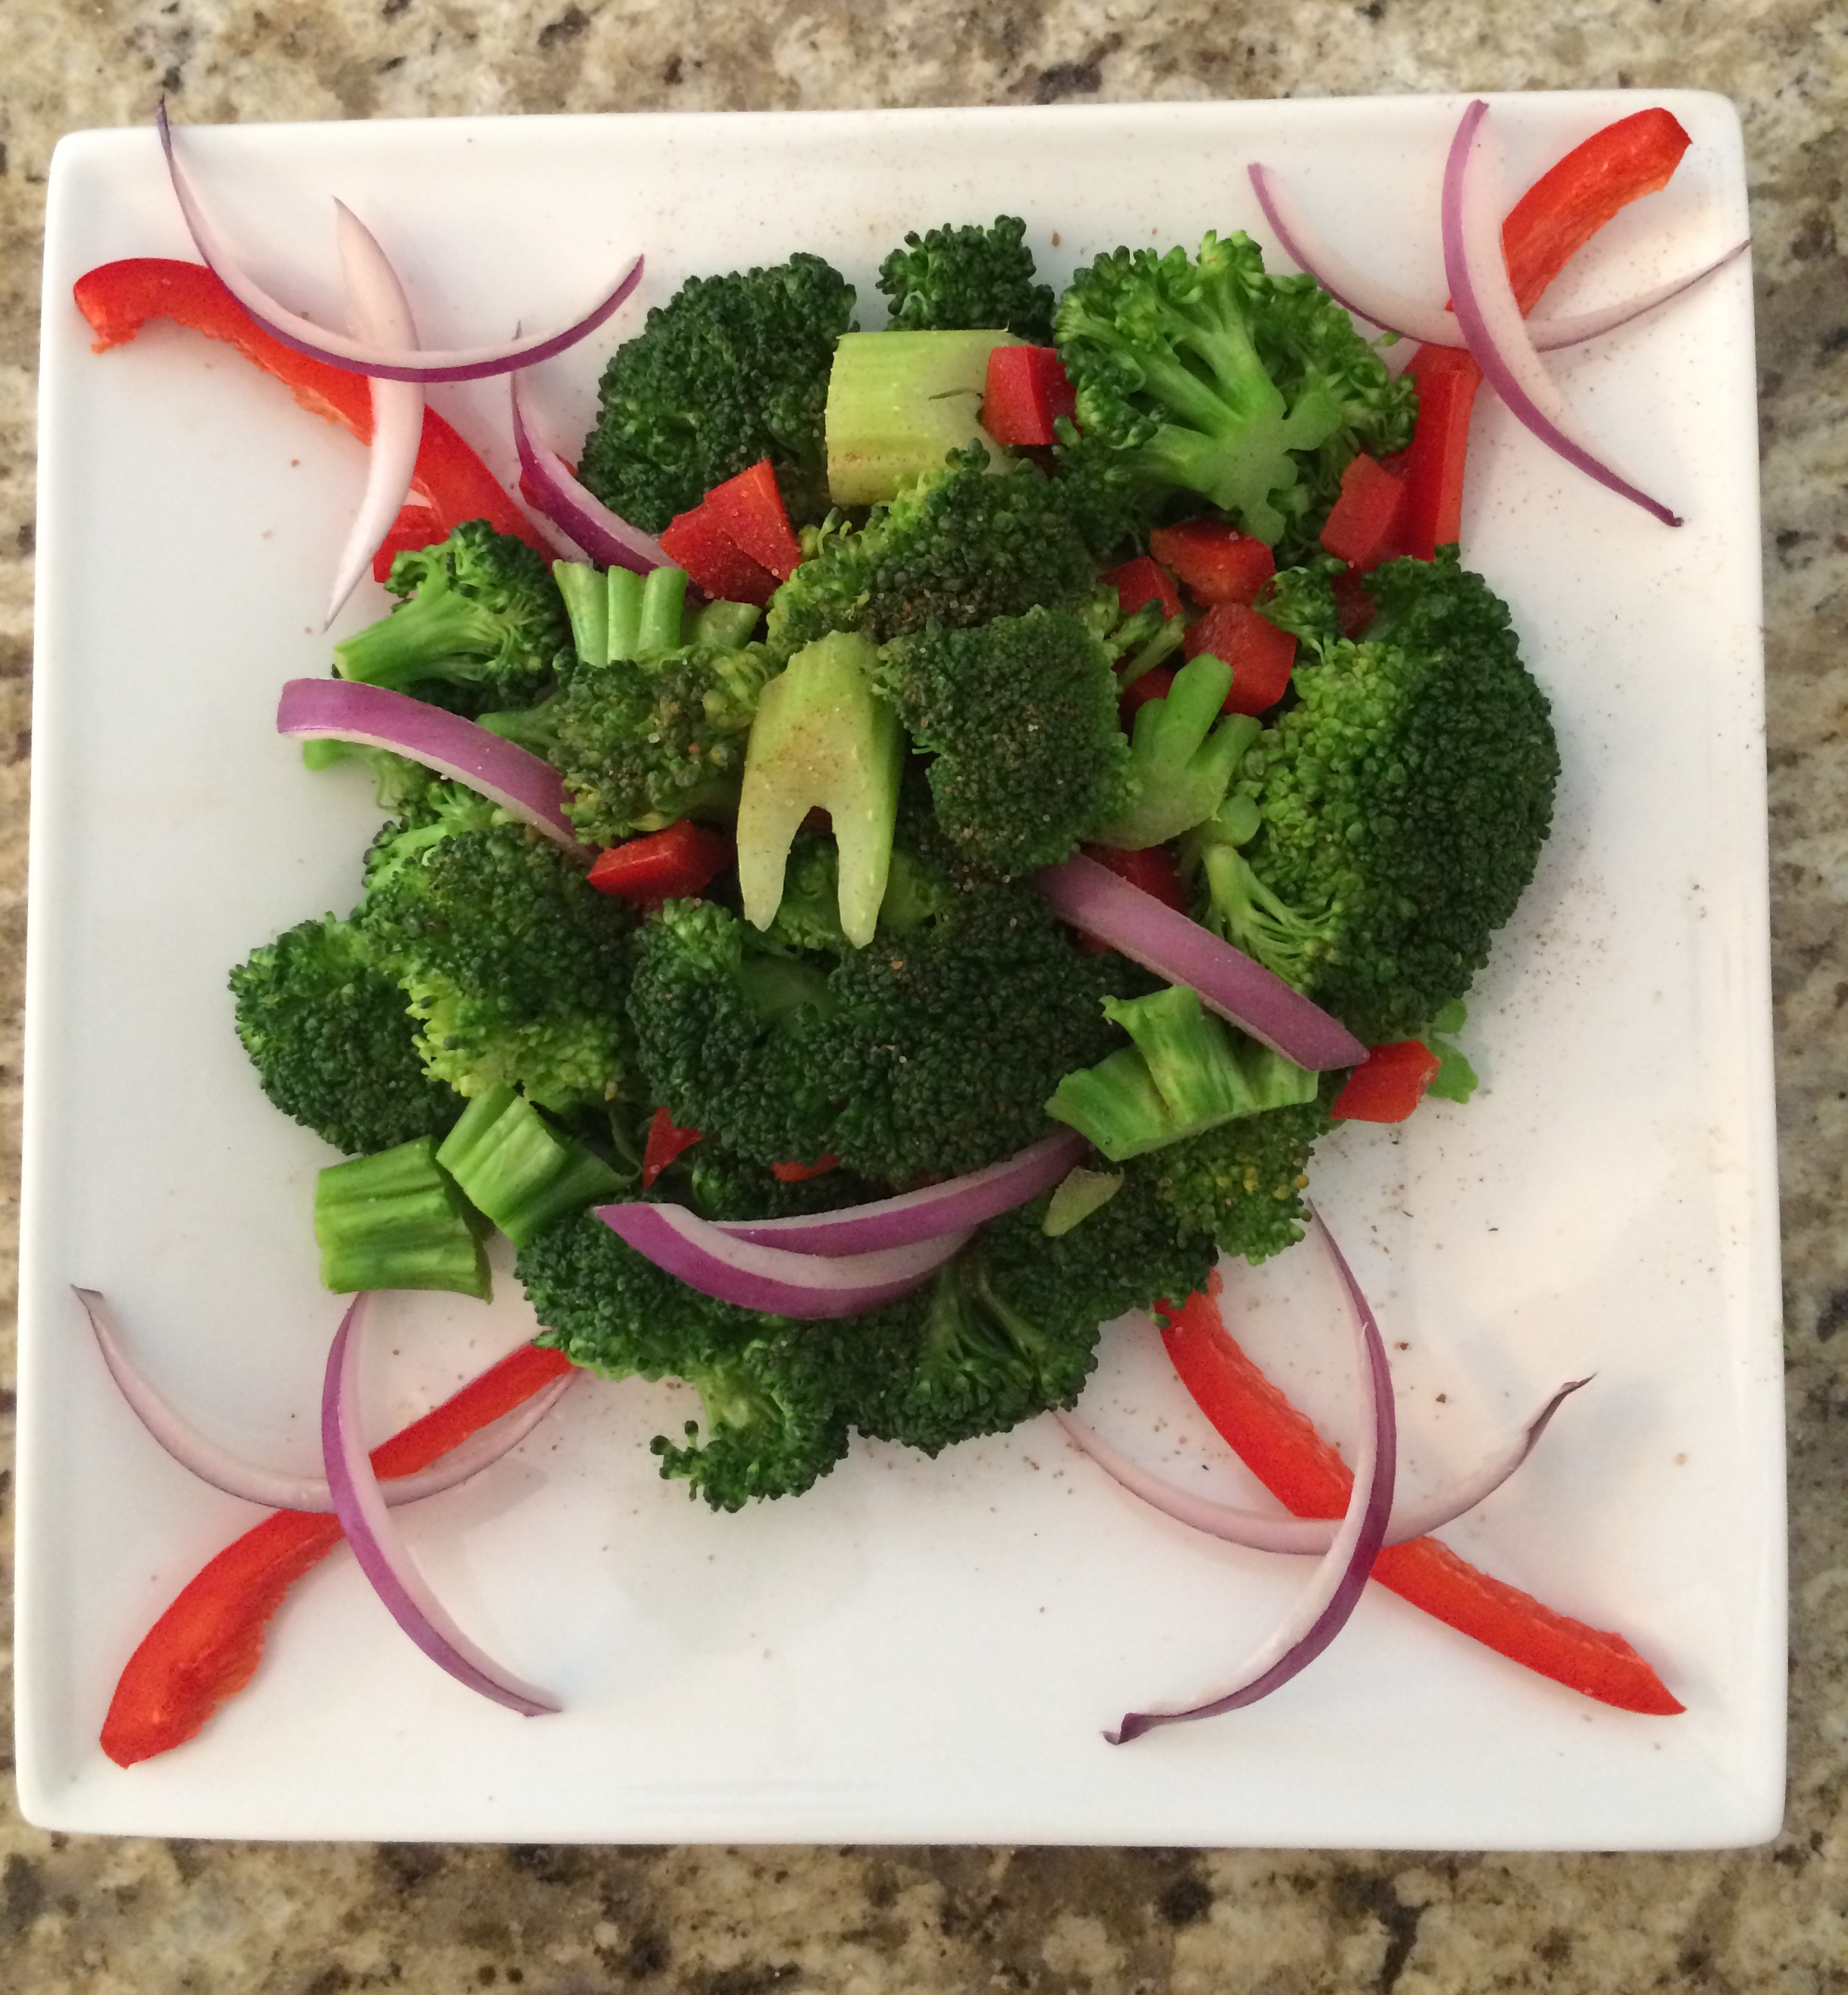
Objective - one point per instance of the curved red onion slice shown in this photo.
(383, 360)
(514, 777)
(377, 309)
(1393, 310)
(360, 1505)
(1334, 1591)
(1267, 1531)
(1239, 987)
(955, 1206)
(547, 480)
(275, 1489)
(806, 1286)
(1490, 317)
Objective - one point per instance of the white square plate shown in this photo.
(917, 1651)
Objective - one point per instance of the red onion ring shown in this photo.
(1335, 1591)
(957, 1205)
(515, 778)
(1161, 939)
(382, 361)
(383, 1556)
(1490, 320)
(1264, 1531)
(806, 1286)
(605, 536)
(275, 1489)
(377, 309)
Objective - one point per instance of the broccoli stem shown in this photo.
(397, 1220)
(898, 403)
(623, 589)
(726, 626)
(426, 633)
(663, 601)
(515, 1167)
(587, 605)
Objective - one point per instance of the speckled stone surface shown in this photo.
(157, 1918)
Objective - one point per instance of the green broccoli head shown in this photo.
(731, 369)
(1207, 377)
(1399, 805)
(333, 1042)
(481, 623)
(953, 279)
(961, 547)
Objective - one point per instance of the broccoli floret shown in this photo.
(1020, 717)
(718, 1183)
(962, 546)
(1182, 755)
(731, 369)
(481, 624)
(1399, 805)
(1206, 376)
(514, 967)
(333, 1042)
(955, 279)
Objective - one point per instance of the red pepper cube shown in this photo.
(1143, 580)
(1354, 609)
(671, 865)
(1261, 656)
(1152, 685)
(1025, 393)
(1152, 868)
(1215, 562)
(665, 1143)
(697, 542)
(1362, 526)
(750, 509)
(1388, 1084)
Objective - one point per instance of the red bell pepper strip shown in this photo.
(1388, 1084)
(1432, 514)
(697, 541)
(1155, 683)
(1215, 561)
(1261, 655)
(750, 509)
(665, 1143)
(206, 1645)
(450, 482)
(1024, 394)
(801, 1173)
(677, 864)
(1363, 523)
(1293, 1462)
(1143, 580)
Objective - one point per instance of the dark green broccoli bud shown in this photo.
(1211, 378)
(397, 1220)
(481, 624)
(917, 890)
(512, 1165)
(1400, 806)
(953, 279)
(731, 369)
(1020, 716)
(1111, 506)
(961, 547)
(718, 1183)
(333, 1041)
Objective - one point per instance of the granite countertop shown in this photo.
(77, 1914)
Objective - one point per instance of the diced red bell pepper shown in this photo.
(1025, 393)
(663, 1144)
(1432, 515)
(1293, 1462)
(1154, 683)
(1152, 868)
(1388, 1084)
(1363, 523)
(1261, 655)
(698, 542)
(800, 1173)
(1215, 561)
(750, 509)
(1140, 581)
(675, 864)
(1354, 609)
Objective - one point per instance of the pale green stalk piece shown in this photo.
(582, 587)
(1075, 1197)
(623, 586)
(898, 403)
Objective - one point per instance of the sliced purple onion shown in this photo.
(519, 781)
(1161, 939)
(547, 479)
(377, 309)
(1265, 1531)
(1393, 310)
(807, 1286)
(1335, 1591)
(275, 1489)
(383, 360)
(1489, 316)
(956, 1206)
(383, 1557)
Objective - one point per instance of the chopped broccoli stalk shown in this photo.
(514, 1166)
(823, 740)
(587, 603)
(898, 403)
(1187, 1071)
(481, 622)
(726, 625)
(622, 606)
(1075, 1197)
(953, 279)
(663, 604)
(398, 781)
(1182, 755)
(397, 1220)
